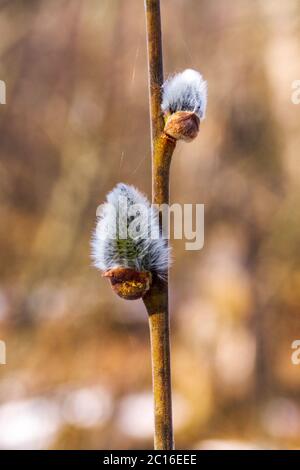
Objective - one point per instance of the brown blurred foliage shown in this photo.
(76, 123)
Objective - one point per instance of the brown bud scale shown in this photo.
(129, 283)
(182, 125)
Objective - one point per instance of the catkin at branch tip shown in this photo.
(185, 91)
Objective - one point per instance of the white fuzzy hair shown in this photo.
(143, 253)
(185, 91)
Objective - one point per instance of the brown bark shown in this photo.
(156, 300)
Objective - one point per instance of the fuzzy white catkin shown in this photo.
(185, 91)
(142, 251)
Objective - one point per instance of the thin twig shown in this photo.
(156, 300)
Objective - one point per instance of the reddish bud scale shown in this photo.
(129, 283)
(182, 125)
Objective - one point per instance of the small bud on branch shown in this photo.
(184, 104)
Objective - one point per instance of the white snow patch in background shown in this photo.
(219, 444)
(34, 423)
(135, 416)
(28, 424)
(87, 407)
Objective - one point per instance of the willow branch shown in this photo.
(156, 300)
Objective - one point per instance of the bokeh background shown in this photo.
(76, 122)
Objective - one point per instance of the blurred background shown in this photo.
(76, 122)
